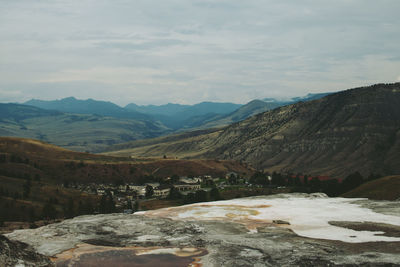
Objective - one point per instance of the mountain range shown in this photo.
(92, 125)
(352, 130)
(89, 106)
(172, 116)
(176, 117)
(81, 132)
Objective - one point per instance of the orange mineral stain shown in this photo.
(100, 256)
(237, 213)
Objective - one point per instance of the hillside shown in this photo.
(250, 109)
(16, 112)
(353, 130)
(254, 107)
(29, 181)
(54, 162)
(386, 188)
(190, 144)
(81, 132)
(33, 173)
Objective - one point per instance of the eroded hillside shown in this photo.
(353, 130)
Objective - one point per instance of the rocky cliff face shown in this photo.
(353, 130)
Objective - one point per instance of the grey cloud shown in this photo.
(192, 50)
(146, 45)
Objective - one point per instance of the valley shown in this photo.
(192, 133)
(93, 125)
(79, 132)
(236, 186)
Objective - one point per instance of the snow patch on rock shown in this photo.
(308, 215)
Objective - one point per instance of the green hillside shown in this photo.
(80, 132)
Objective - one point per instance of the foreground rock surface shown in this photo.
(228, 234)
(14, 253)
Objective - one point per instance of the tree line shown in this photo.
(311, 184)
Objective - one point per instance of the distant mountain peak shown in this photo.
(68, 98)
(256, 101)
(88, 106)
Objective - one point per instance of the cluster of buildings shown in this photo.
(127, 195)
(123, 193)
(162, 190)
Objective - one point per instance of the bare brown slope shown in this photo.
(386, 188)
(25, 157)
(357, 129)
(36, 148)
(181, 145)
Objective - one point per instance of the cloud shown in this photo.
(9, 93)
(141, 45)
(104, 75)
(189, 51)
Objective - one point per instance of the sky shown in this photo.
(189, 51)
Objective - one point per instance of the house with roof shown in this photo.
(181, 186)
(161, 191)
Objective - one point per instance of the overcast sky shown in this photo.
(188, 51)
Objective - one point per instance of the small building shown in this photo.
(161, 191)
(122, 188)
(139, 189)
(154, 185)
(187, 187)
(191, 180)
